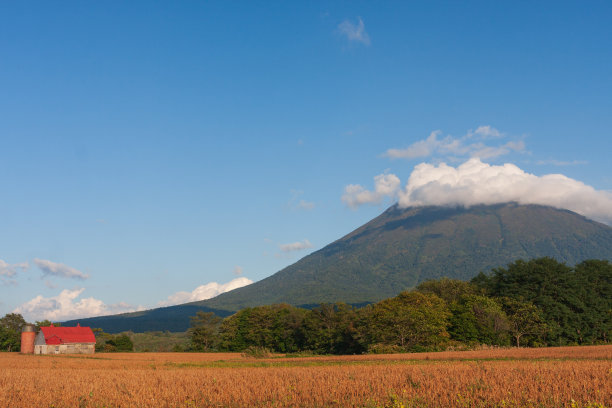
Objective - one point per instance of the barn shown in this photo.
(65, 340)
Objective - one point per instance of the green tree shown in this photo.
(101, 338)
(594, 291)
(275, 327)
(121, 343)
(204, 331)
(109, 343)
(524, 319)
(450, 290)
(9, 339)
(331, 329)
(478, 319)
(46, 323)
(561, 295)
(411, 320)
(10, 331)
(13, 321)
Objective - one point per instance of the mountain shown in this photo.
(402, 247)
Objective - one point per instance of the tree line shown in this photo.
(540, 302)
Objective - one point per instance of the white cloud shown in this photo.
(65, 306)
(295, 246)
(204, 292)
(10, 270)
(58, 269)
(475, 182)
(385, 185)
(354, 32)
(471, 145)
(485, 132)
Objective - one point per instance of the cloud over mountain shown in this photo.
(385, 185)
(475, 182)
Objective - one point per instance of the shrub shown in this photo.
(256, 352)
(381, 348)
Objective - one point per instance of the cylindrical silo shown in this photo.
(28, 334)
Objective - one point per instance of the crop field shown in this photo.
(549, 377)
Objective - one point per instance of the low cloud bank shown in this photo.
(68, 305)
(65, 306)
(475, 182)
(206, 291)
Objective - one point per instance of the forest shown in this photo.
(533, 303)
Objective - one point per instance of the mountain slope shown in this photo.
(397, 250)
(401, 248)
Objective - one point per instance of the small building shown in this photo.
(65, 340)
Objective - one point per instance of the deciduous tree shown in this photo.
(524, 319)
(331, 329)
(204, 331)
(10, 331)
(410, 320)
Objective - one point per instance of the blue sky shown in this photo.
(150, 148)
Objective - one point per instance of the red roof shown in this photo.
(61, 335)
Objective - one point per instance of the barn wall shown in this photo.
(70, 348)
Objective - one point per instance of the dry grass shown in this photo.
(551, 377)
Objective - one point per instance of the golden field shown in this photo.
(548, 377)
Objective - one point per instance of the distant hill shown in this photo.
(402, 247)
(172, 318)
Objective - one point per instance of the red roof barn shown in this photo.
(65, 340)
